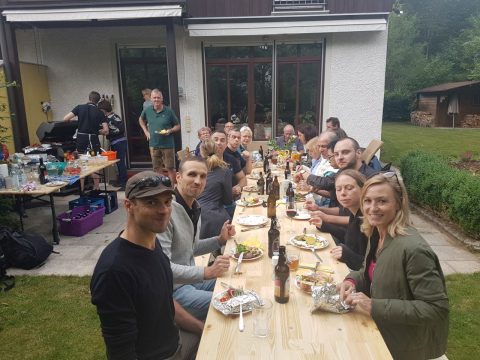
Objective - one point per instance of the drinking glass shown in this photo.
(291, 212)
(261, 318)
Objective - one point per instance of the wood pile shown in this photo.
(471, 121)
(422, 118)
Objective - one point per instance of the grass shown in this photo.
(401, 138)
(49, 317)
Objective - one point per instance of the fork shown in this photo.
(316, 255)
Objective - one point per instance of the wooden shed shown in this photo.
(455, 104)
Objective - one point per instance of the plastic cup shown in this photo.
(262, 315)
(293, 259)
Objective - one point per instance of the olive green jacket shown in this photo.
(409, 298)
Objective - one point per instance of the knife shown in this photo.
(253, 228)
(239, 262)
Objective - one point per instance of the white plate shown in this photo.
(302, 216)
(321, 243)
(240, 202)
(55, 183)
(232, 254)
(252, 220)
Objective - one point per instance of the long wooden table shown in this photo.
(295, 332)
(43, 190)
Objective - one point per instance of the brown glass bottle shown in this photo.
(282, 278)
(273, 238)
(268, 182)
(266, 165)
(276, 188)
(271, 204)
(287, 171)
(261, 185)
(290, 197)
(260, 151)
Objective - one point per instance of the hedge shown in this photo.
(431, 182)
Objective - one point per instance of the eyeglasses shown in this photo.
(393, 174)
(151, 181)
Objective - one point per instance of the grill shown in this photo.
(59, 134)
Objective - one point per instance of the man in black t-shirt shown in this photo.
(132, 284)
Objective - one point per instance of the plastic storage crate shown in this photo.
(77, 222)
(94, 203)
(109, 198)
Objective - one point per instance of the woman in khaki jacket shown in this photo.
(401, 284)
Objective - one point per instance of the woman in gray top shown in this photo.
(217, 193)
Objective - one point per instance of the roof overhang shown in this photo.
(207, 27)
(93, 13)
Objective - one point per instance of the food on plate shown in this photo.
(162, 132)
(249, 251)
(230, 293)
(307, 281)
(250, 188)
(299, 197)
(309, 239)
(250, 201)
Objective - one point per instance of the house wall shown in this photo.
(428, 103)
(354, 82)
(35, 91)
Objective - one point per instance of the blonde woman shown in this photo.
(401, 284)
(217, 193)
(246, 136)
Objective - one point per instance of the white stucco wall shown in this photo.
(354, 82)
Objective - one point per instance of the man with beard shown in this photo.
(193, 285)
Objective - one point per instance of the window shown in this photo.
(240, 83)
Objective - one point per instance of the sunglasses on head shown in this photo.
(390, 175)
(151, 181)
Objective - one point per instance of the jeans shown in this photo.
(195, 298)
(121, 149)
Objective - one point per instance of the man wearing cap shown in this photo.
(132, 283)
(193, 285)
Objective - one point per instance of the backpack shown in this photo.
(22, 250)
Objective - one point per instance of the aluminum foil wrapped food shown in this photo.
(326, 298)
(228, 303)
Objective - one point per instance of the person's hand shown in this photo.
(245, 154)
(345, 288)
(236, 190)
(337, 252)
(316, 220)
(227, 231)
(147, 134)
(361, 302)
(310, 205)
(218, 268)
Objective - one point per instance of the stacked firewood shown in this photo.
(422, 118)
(471, 121)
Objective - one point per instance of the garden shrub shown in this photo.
(432, 183)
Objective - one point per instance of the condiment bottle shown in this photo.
(282, 278)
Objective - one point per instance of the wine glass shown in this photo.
(291, 212)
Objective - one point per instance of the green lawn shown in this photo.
(49, 318)
(401, 138)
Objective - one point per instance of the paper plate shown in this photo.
(302, 216)
(252, 220)
(320, 243)
(240, 202)
(55, 183)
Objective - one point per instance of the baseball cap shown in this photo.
(147, 183)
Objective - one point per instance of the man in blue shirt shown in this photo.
(282, 141)
(158, 123)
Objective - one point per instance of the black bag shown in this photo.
(6, 282)
(24, 251)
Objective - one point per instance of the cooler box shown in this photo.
(94, 203)
(78, 222)
(109, 198)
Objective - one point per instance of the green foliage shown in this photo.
(396, 107)
(431, 182)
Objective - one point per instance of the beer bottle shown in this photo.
(260, 151)
(287, 171)
(271, 204)
(42, 170)
(261, 185)
(268, 182)
(273, 238)
(276, 188)
(266, 165)
(282, 276)
(290, 197)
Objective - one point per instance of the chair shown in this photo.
(371, 150)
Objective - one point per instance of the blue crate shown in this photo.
(94, 203)
(109, 198)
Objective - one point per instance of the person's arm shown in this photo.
(425, 281)
(104, 130)
(241, 182)
(186, 321)
(331, 219)
(351, 258)
(69, 116)
(174, 129)
(143, 125)
(112, 295)
(321, 182)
